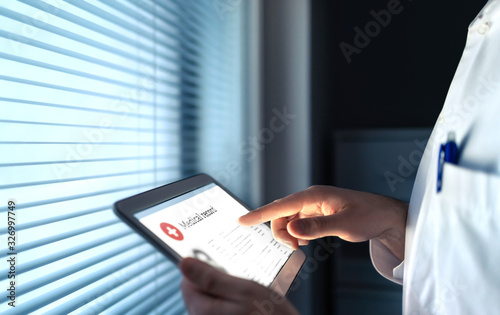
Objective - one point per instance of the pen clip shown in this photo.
(448, 152)
(441, 160)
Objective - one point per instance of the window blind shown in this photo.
(100, 100)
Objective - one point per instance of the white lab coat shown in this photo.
(452, 251)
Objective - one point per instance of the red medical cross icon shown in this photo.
(172, 231)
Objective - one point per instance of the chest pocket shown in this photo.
(456, 265)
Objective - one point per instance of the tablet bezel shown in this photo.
(126, 208)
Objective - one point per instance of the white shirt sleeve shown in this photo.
(385, 262)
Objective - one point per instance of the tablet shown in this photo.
(197, 217)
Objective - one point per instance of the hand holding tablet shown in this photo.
(210, 291)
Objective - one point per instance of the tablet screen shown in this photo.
(203, 223)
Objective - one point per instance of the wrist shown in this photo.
(393, 237)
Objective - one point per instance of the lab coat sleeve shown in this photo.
(385, 262)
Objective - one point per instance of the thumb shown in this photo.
(313, 228)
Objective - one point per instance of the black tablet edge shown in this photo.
(282, 280)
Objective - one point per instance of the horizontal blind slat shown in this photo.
(84, 40)
(82, 74)
(49, 278)
(24, 226)
(55, 238)
(144, 305)
(136, 129)
(118, 21)
(80, 142)
(70, 89)
(121, 293)
(170, 306)
(43, 202)
(39, 262)
(74, 197)
(73, 54)
(73, 18)
(148, 289)
(133, 158)
(58, 181)
(55, 191)
(134, 14)
(145, 272)
(187, 48)
(175, 109)
(34, 304)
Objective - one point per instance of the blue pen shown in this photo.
(447, 153)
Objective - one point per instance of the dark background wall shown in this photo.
(399, 80)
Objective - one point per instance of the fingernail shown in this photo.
(289, 244)
(300, 227)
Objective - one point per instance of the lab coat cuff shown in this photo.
(385, 262)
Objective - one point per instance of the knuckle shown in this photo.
(274, 229)
(317, 226)
(314, 188)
